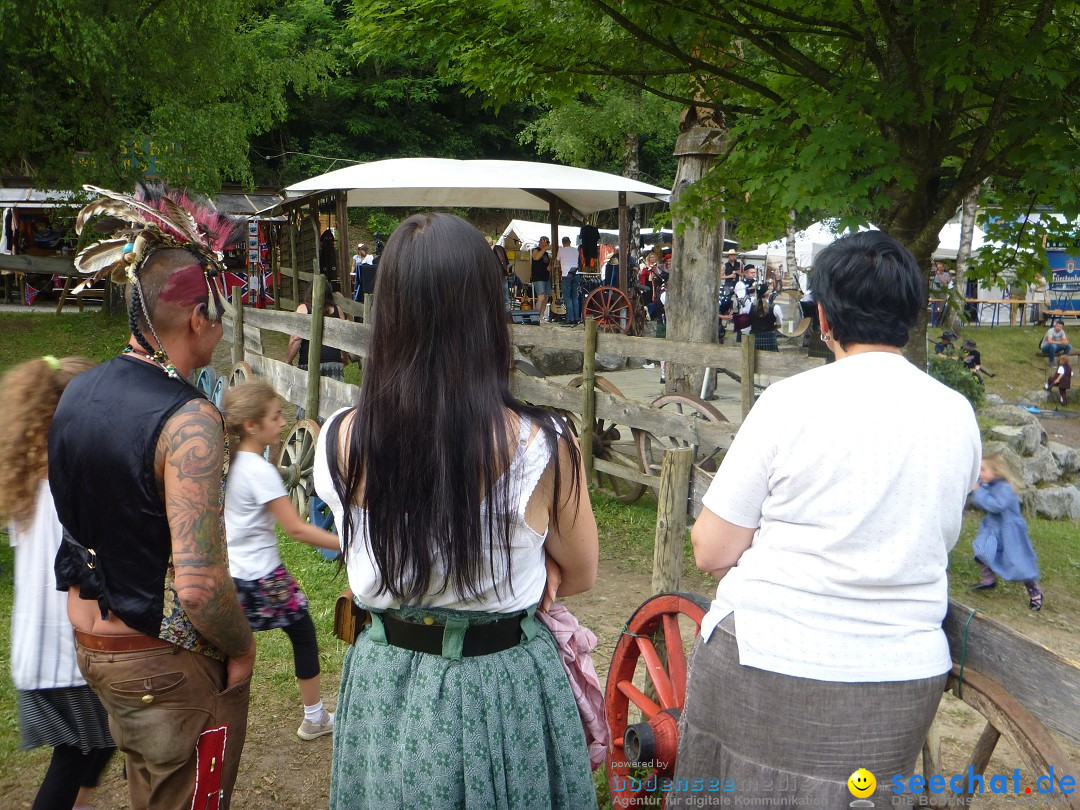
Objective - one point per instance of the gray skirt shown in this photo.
(751, 734)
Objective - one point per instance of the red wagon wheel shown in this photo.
(611, 309)
(642, 754)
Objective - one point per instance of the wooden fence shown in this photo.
(680, 486)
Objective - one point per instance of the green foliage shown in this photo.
(95, 92)
(888, 114)
(953, 374)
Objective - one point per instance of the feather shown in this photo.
(108, 224)
(109, 208)
(100, 257)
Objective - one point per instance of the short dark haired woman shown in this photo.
(451, 494)
(829, 525)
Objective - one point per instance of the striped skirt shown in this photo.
(66, 716)
(490, 732)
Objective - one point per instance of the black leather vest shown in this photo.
(101, 470)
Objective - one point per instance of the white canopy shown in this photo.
(529, 233)
(810, 242)
(949, 241)
(438, 182)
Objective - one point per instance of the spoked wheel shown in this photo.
(646, 748)
(611, 309)
(240, 372)
(206, 379)
(217, 393)
(297, 463)
(614, 443)
(1005, 718)
(651, 448)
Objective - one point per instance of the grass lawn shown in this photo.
(626, 534)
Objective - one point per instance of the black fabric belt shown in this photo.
(480, 639)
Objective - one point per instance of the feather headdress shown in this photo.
(155, 218)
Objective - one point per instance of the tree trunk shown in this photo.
(955, 309)
(696, 254)
(791, 263)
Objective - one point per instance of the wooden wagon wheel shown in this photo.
(611, 309)
(614, 443)
(217, 393)
(297, 463)
(655, 739)
(651, 448)
(239, 373)
(1005, 717)
(206, 379)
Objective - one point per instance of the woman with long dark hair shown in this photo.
(450, 495)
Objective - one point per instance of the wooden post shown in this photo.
(238, 325)
(747, 374)
(624, 247)
(671, 519)
(588, 398)
(318, 305)
(344, 264)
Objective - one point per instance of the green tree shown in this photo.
(886, 112)
(94, 92)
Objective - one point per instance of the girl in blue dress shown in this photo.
(1002, 546)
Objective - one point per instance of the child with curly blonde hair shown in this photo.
(56, 707)
(255, 499)
(1002, 546)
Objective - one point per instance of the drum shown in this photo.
(792, 321)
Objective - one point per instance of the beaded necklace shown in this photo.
(158, 358)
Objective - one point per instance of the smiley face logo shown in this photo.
(861, 783)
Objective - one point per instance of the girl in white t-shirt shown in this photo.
(255, 499)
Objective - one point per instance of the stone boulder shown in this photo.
(1041, 466)
(607, 362)
(1057, 502)
(555, 361)
(1013, 416)
(994, 399)
(1023, 439)
(1067, 458)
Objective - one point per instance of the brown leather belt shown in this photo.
(137, 643)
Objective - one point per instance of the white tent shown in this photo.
(439, 182)
(808, 244)
(949, 241)
(528, 234)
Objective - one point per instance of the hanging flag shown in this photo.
(29, 294)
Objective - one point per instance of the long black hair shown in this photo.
(429, 442)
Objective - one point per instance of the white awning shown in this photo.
(440, 182)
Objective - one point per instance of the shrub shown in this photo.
(953, 374)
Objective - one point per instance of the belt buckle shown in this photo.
(91, 562)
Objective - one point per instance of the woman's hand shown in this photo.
(554, 580)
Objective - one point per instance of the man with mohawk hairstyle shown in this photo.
(137, 459)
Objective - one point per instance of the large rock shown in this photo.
(1024, 439)
(1057, 502)
(1016, 417)
(1067, 458)
(994, 399)
(1041, 467)
(608, 362)
(555, 361)
(1035, 398)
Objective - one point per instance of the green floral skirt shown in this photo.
(490, 732)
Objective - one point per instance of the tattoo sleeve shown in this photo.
(192, 446)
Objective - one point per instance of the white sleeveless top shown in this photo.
(526, 546)
(42, 645)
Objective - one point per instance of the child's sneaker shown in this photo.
(312, 731)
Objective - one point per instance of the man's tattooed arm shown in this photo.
(192, 451)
